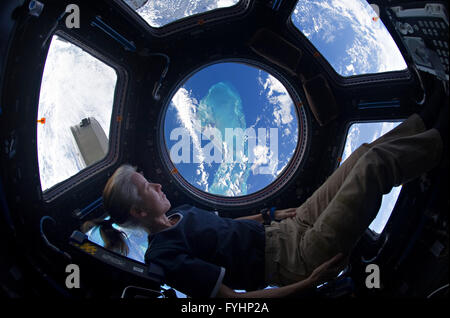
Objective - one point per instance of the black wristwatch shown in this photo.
(268, 215)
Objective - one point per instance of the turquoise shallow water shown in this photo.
(222, 108)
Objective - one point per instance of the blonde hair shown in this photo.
(120, 195)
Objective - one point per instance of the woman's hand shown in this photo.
(328, 270)
(284, 214)
(324, 272)
(278, 215)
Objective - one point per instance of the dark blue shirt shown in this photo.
(202, 251)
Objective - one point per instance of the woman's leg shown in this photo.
(308, 212)
(283, 262)
(358, 199)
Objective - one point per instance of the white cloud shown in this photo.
(151, 14)
(350, 69)
(282, 168)
(382, 128)
(279, 97)
(283, 112)
(260, 154)
(186, 107)
(226, 3)
(350, 143)
(230, 179)
(203, 182)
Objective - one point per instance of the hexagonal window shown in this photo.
(74, 112)
(160, 13)
(349, 35)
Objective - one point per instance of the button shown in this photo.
(425, 31)
(446, 45)
(420, 23)
(426, 23)
(435, 42)
(441, 44)
(409, 28)
(402, 28)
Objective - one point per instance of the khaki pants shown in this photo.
(337, 214)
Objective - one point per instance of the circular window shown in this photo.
(233, 133)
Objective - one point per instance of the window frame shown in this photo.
(283, 179)
(192, 21)
(114, 135)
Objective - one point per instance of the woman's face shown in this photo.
(153, 199)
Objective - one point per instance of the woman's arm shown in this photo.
(226, 292)
(257, 217)
(324, 272)
(279, 215)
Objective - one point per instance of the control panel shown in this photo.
(424, 31)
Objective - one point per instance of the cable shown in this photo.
(437, 290)
(140, 288)
(52, 30)
(421, 86)
(380, 250)
(47, 242)
(158, 84)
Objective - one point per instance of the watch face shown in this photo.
(266, 216)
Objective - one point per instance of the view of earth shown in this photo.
(158, 13)
(349, 34)
(76, 85)
(226, 98)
